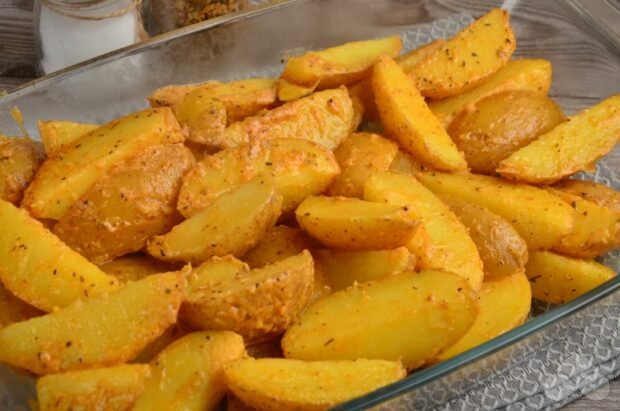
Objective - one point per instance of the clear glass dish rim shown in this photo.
(419, 378)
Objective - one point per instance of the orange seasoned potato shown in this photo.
(20, 158)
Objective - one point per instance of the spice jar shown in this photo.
(71, 31)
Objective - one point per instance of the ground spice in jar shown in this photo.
(194, 11)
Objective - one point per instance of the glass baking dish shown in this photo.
(581, 39)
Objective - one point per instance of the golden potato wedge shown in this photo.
(71, 172)
(289, 91)
(233, 224)
(58, 134)
(342, 269)
(504, 304)
(106, 330)
(341, 65)
(360, 156)
(299, 168)
(568, 148)
(172, 333)
(171, 95)
(134, 201)
(405, 164)
(34, 261)
(278, 384)
(14, 310)
(410, 59)
(522, 74)
(442, 241)
(539, 217)
(112, 388)
(596, 193)
(596, 229)
(500, 124)
(557, 279)
(354, 224)
(265, 301)
(20, 158)
(408, 120)
(189, 374)
(134, 267)
(502, 250)
(208, 109)
(278, 243)
(465, 60)
(418, 313)
(324, 117)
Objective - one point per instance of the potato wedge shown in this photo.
(189, 374)
(289, 91)
(596, 229)
(324, 117)
(14, 310)
(134, 201)
(353, 224)
(465, 60)
(34, 261)
(418, 313)
(233, 224)
(343, 269)
(596, 193)
(86, 334)
(442, 241)
(341, 65)
(408, 120)
(134, 267)
(172, 333)
(557, 279)
(171, 95)
(208, 109)
(568, 148)
(278, 243)
(278, 384)
(405, 164)
(500, 124)
(539, 217)
(20, 158)
(299, 168)
(265, 301)
(504, 304)
(360, 156)
(521, 74)
(363, 99)
(113, 388)
(502, 250)
(71, 172)
(58, 134)
(410, 59)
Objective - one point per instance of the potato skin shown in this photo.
(500, 124)
(134, 201)
(20, 158)
(596, 193)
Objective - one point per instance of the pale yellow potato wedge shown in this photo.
(276, 384)
(112, 388)
(360, 156)
(106, 330)
(342, 269)
(171, 95)
(299, 168)
(442, 241)
(409, 317)
(465, 60)
(596, 229)
(539, 217)
(265, 301)
(233, 224)
(410, 59)
(522, 74)
(278, 243)
(354, 224)
(404, 163)
(408, 120)
(20, 158)
(341, 65)
(504, 304)
(502, 250)
(134, 201)
(189, 374)
(35, 262)
(134, 267)
(73, 170)
(324, 117)
(58, 134)
(289, 91)
(568, 148)
(557, 279)
(14, 310)
(596, 193)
